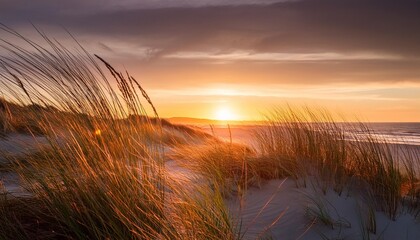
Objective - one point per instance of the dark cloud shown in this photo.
(297, 26)
(156, 29)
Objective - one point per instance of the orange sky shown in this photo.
(238, 59)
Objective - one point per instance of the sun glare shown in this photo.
(225, 114)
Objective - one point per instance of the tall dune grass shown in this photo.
(306, 142)
(232, 166)
(303, 140)
(228, 165)
(102, 176)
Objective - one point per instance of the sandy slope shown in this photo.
(261, 207)
(278, 209)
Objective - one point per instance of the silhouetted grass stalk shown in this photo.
(102, 176)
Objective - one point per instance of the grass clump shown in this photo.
(202, 214)
(228, 165)
(102, 175)
(320, 210)
(311, 143)
(375, 165)
(301, 141)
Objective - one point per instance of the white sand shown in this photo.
(262, 207)
(279, 210)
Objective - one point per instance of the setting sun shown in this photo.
(224, 114)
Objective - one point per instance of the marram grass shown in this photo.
(102, 175)
(305, 143)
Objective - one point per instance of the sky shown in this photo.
(239, 59)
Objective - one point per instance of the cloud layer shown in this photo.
(173, 45)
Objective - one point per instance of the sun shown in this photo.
(225, 114)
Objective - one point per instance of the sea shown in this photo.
(399, 133)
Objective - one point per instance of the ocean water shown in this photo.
(396, 133)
